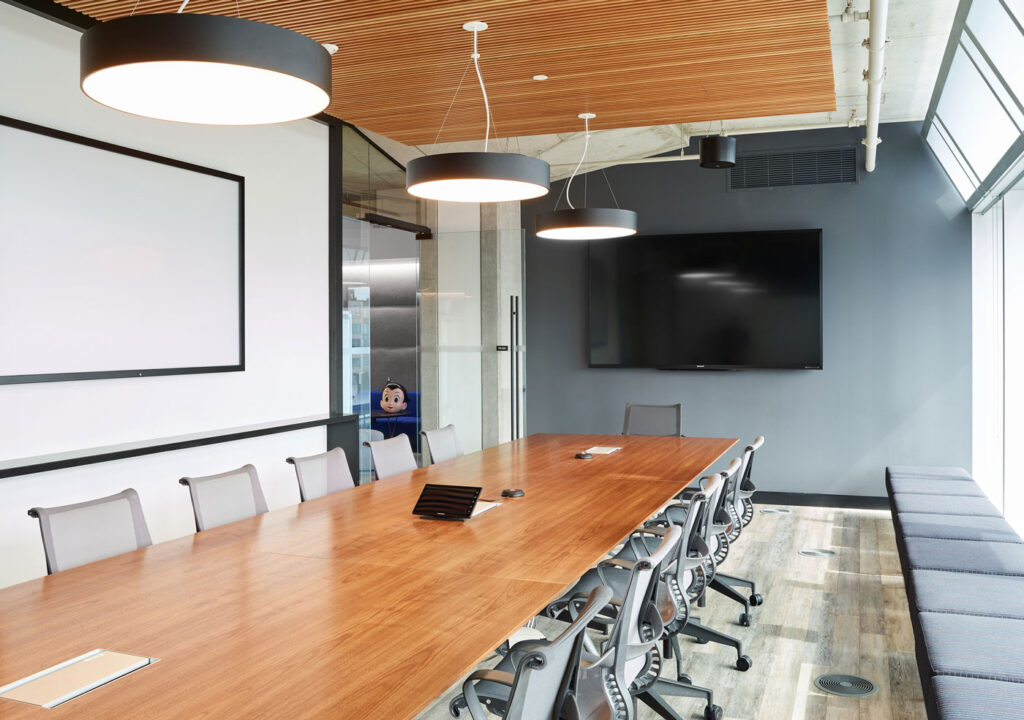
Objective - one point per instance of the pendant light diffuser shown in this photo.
(479, 177)
(206, 69)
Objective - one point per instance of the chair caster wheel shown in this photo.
(701, 641)
(684, 678)
(757, 599)
(745, 619)
(713, 712)
(744, 663)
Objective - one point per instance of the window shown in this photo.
(975, 125)
(998, 351)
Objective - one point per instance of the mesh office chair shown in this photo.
(678, 576)
(88, 531)
(537, 679)
(745, 489)
(705, 573)
(726, 525)
(226, 497)
(442, 443)
(658, 420)
(627, 666)
(392, 456)
(322, 474)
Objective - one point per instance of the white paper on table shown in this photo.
(601, 450)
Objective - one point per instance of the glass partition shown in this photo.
(380, 296)
(478, 328)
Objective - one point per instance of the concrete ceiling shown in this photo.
(918, 31)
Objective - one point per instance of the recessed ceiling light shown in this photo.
(540, 77)
(331, 48)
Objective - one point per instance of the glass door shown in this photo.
(472, 349)
(380, 328)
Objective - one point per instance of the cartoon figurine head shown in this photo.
(392, 397)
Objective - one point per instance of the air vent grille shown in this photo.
(801, 167)
(846, 685)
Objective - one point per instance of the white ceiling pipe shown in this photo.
(876, 42)
(855, 122)
(849, 14)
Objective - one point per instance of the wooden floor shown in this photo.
(847, 614)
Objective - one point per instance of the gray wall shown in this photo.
(896, 383)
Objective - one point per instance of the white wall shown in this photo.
(286, 376)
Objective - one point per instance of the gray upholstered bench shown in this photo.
(964, 570)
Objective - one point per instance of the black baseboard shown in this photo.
(852, 502)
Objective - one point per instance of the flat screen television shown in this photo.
(722, 301)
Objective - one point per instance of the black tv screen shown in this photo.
(715, 301)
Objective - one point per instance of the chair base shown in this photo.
(726, 585)
(652, 698)
(704, 634)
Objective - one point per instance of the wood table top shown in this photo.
(347, 606)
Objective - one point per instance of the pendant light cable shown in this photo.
(487, 104)
(586, 146)
(451, 104)
(609, 184)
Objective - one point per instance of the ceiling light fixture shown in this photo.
(585, 223)
(206, 69)
(477, 176)
(718, 151)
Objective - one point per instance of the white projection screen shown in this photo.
(114, 262)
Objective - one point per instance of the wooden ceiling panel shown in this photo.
(633, 62)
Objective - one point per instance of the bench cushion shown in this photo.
(965, 556)
(944, 505)
(974, 646)
(961, 698)
(968, 594)
(924, 486)
(936, 473)
(955, 527)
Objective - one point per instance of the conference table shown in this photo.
(346, 606)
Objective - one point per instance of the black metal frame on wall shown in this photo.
(160, 159)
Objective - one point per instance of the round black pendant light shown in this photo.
(585, 223)
(477, 176)
(717, 151)
(207, 69)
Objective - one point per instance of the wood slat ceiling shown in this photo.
(633, 62)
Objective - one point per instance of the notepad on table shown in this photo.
(601, 450)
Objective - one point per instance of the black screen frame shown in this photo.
(181, 165)
(683, 236)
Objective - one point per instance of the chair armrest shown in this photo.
(498, 676)
(617, 562)
(476, 710)
(611, 562)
